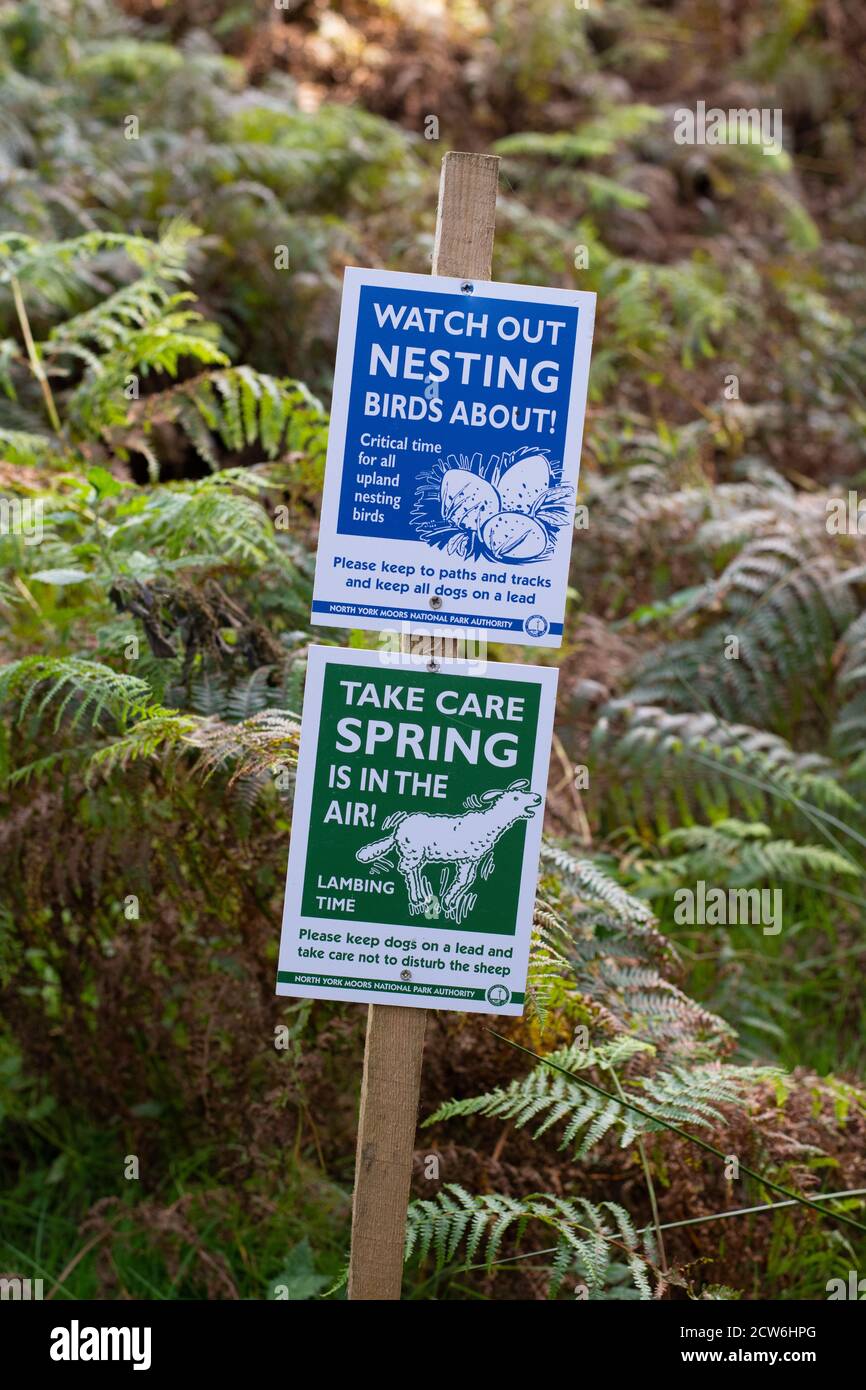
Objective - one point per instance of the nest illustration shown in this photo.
(509, 509)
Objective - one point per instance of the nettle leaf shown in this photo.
(298, 1279)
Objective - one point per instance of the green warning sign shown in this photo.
(416, 831)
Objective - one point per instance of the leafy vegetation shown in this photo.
(182, 186)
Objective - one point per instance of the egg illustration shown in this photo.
(467, 500)
(521, 485)
(513, 536)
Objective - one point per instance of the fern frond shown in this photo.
(86, 690)
(786, 614)
(28, 449)
(57, 271)
(588, 1237)
(595, 886)
(267, 740)
(848, 732)
(597, 137)
(110, 322)
(207, 520)
(161, 734)
(739, 853)
(242, 408)
(679, 764)
(545, 1098)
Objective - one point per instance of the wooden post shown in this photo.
(395, 1036)
(466, 217)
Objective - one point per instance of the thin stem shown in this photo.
(649, 1183)
(813, 813)
(750, 1211)
(672, 1226)
(810, 811)
(34, 358)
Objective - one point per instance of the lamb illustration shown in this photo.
(466, 841)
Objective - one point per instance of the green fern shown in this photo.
(587, 1236)
(57, 272)
(548, 970)
(28, 449)
(848, 732)
(683, 764)
(786, 613)
(238, 700)
(203, 523)
(618, 964)
(243, 408)
(595, 886)
(596, 137)
(738, 852)
(86, 691)
(545, 1098)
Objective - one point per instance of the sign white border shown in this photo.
(293, 918)
(358, 547)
